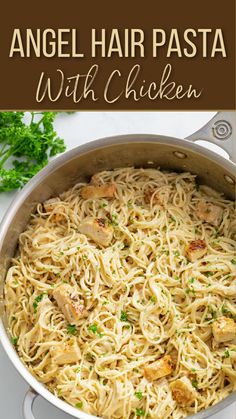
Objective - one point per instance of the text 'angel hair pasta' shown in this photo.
(121, 299)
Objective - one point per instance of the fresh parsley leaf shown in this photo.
(79, 405)
(226, 354)
(114, 221)
(224, 310)
(37, 301)
(71, 329)
(209, 273)
(139, 395)
(124, 316)
(233, 261)
(195, 383)
(14, 341)
(25, 148)
(93, 328)
(140, 412)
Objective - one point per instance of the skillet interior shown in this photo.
(79, 164)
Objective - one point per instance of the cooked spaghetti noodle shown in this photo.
(143, 297)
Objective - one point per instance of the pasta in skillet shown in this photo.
(121, 299)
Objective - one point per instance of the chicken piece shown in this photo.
(97, 229)
(65, 353)
(69, 303)
(159, 368)
(196, 249)
(183, 391)
(101, 191)
(50, 204)
(209, 213)
(224, 329)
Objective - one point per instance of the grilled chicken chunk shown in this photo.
(65, 353)
(50, 204)
(196, 249)
(100, 191)
(183, 391)
(209, 213)
(224, 329)
(159, 368)
(97, 229)
(69, 303)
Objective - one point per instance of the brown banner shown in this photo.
(124, 55)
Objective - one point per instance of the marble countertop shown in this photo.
(77, 129)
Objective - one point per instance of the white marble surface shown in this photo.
(77, 129)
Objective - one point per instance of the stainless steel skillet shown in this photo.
(139, 150)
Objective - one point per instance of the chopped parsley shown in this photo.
(226, 354)
(79, 405)
(114, 220)
(153, 299)
(224, 310)
(124, 316)
(71, 329)
(37, 301)
(188, 290)
(191, 280)
(140, 412)
(233, 261)
(93, 328)
(139, 395)
(177, 253)
(14, 341)
(127, 326)
(209, 273)
(195, 384)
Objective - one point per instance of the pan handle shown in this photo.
(220, 130)
(28, 404)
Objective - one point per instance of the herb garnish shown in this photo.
(93, 328)
(29, 144)
(195, 383)
(37, 301)
(124, 316)
(71, 329)
(140, 412)
(139, 395)
(14, 341)
(226, 354)
(79, 405)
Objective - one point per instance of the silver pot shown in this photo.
(80, 163)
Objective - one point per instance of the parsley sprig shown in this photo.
(25, 148)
